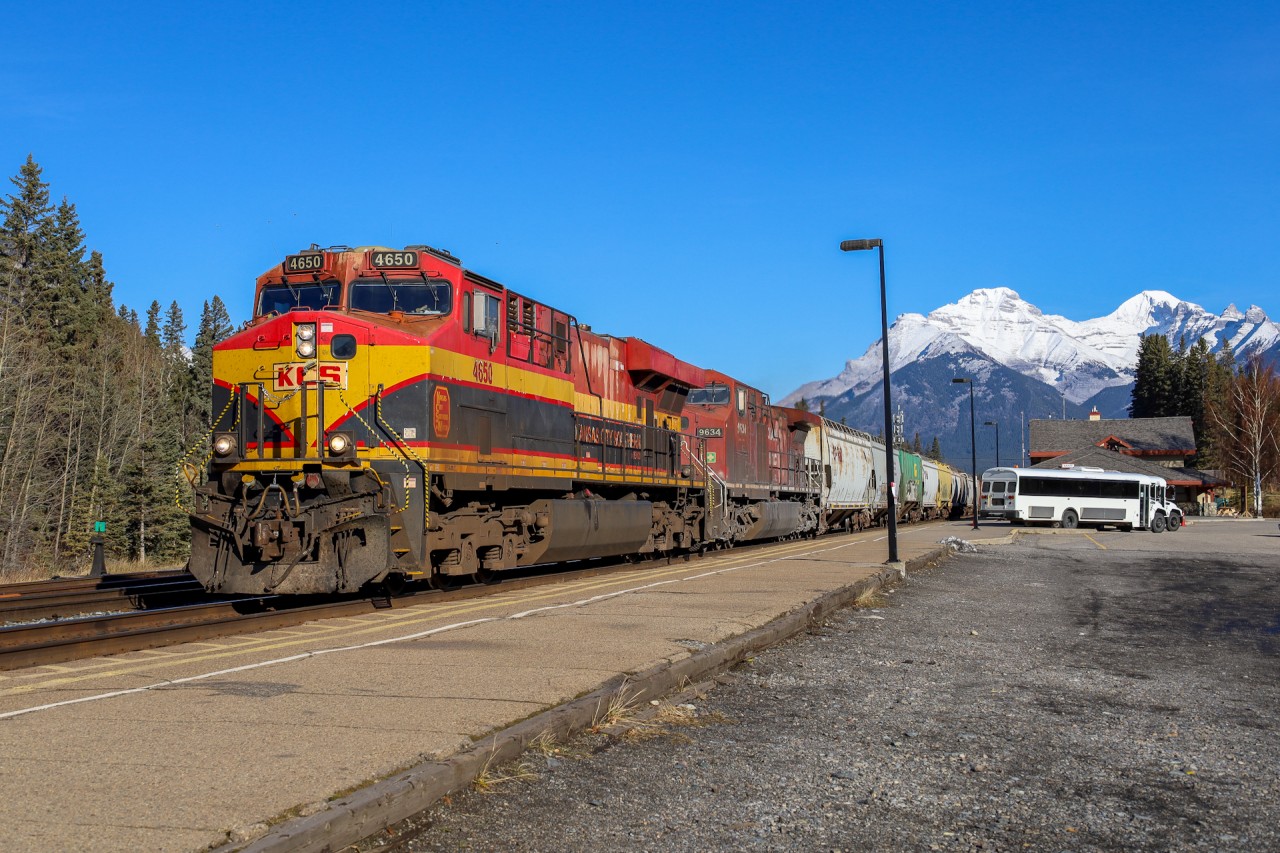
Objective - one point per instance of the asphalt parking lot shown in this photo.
(1076, 690)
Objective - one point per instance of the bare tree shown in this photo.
(1246, 420)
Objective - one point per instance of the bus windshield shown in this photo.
(413, 296)
(315, 296)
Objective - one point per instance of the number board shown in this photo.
(710, 432)
(393, 260)
(311, 262)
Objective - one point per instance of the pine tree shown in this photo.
(935, 450)
(26, 224)
(1195, 380)
(152, 330)
(215, 326)
(1154, 393)
(802, 405)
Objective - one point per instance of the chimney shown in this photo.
(1095, 415)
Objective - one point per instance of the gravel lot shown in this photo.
(1073, 692)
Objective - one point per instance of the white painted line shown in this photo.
(290, 659)
(400, 639)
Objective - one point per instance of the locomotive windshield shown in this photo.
(412, 296)
(716, 395)
(280, 298)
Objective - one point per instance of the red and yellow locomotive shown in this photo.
(389, 415)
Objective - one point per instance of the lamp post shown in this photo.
(891, 508)
(973, 445)
(995, 424)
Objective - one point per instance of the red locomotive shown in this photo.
(389, 415)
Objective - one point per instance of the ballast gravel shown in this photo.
(1031, 697)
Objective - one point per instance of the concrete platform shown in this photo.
(182, 748)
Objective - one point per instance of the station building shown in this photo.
(1161, 447)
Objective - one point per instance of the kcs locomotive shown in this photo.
(387, 415)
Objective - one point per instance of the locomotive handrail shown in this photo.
(711, 475)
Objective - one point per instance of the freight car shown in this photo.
(388, 415)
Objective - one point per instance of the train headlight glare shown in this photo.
(339, 443)
(224, 445)
(306, 349)
(306, 332)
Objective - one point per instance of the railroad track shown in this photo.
(66, 640)
(64, 598)
(39, 644)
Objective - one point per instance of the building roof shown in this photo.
(1110, 460)
(1143, 436)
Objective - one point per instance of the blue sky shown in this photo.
(677, 171)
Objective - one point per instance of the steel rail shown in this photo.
(60, 642)
(63, 600)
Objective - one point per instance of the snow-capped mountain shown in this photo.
(1078, 358)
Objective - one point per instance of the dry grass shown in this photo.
(668, 716)
(490, 778)
(621, 705)
(79, 568)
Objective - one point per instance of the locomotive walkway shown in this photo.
(172, 749)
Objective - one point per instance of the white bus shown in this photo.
(1075, 495)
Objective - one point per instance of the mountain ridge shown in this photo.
(1026, 364)
(1079, 358)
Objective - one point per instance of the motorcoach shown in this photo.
(1076, 495)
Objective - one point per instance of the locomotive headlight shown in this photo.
(306, 349)
(224, 444)
(340, 443)
(306, 331)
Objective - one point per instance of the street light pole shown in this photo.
(973, 446)
(995, 424)
(891, 509)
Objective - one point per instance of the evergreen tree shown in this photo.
(803, 405)
(935, 450)
(1195, 380)
(1154, 392)
(152, 330)
(26, 225)
(1219, 374)
(215, 326)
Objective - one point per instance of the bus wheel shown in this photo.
(1157, 524)
(1125, 528)
(1070, 521)
(1175, 522)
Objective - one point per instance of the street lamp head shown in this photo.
(990, 423)
(858, 245)
(961, 380)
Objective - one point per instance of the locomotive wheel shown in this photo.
(394, 584)
(443, 582)
(487, 576)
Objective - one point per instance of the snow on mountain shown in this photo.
(1079, 358)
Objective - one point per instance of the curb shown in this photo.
(356, 816)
